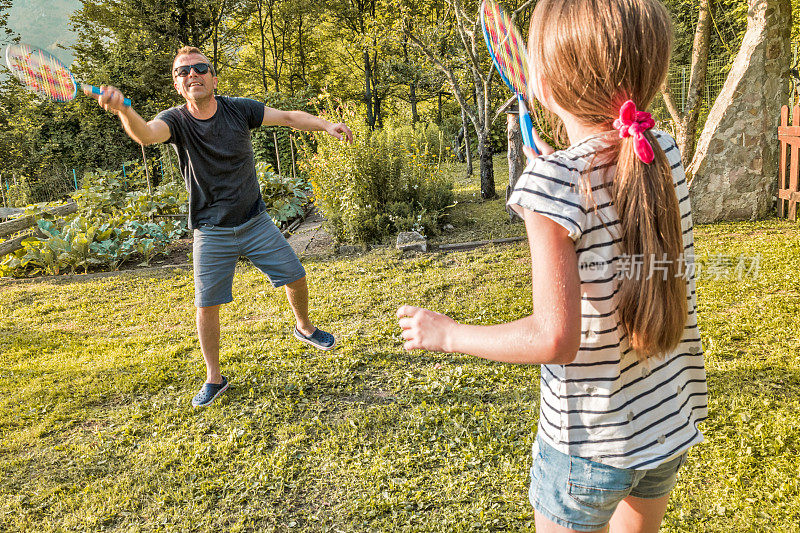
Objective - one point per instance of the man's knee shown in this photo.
(296, 284)
(208, 312)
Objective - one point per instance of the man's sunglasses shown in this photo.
(200, 68)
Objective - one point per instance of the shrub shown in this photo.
(285, 196)
(384, 181)
(264, 137)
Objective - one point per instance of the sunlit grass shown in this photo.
(97, 374)
(475, 219)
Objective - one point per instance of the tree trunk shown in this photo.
(301, 50)
(183, 23)
(467, 145)
(261, 28)
(487, 167)
(697, 81)
(215, 42)
(378, 117)
(368, 90)
(516, 157)
(412, 84)
(685, 119)
(412, 98)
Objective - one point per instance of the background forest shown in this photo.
(396, 61)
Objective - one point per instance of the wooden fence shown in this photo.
(21, 225)
(788, 182)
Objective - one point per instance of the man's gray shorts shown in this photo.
(216, 249)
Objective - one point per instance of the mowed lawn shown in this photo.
(97, 373)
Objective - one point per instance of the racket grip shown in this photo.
(96, 90)
(526, 125)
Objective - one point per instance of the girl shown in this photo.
(614, 321)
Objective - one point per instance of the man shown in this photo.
(212, 137)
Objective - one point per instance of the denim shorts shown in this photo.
(216, 249)
(581, 494)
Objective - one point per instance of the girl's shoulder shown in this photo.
(664, 139)
(560, 168)
(550, 185)
(670, 147)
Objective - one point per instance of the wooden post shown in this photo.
(789, 185)
(291, 149)
(169, 162)
(467, 147)
(794, 165)
(516, 157)
(441, 146)
(147, 172)
(277, 154)
(782, 181)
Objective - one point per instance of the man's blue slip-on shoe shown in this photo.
(319, 339)
(209, 392)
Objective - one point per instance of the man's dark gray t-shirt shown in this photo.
(217, 162)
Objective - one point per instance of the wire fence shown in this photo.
(794, 78)
(678, 82)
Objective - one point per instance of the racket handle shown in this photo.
(96, 90)
(526, 125)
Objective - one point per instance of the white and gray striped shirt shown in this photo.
(607, 405)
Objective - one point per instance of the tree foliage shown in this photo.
(399, 60)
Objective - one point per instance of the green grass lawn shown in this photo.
(475, 219)
(97, 374)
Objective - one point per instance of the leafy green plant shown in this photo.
(108, 192)
(285, 196)
(112, 226)
(384, 181)
(264, 137)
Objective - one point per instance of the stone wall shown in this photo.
(734, 171)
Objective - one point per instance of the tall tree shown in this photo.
(411, 76)
(357, 20)
(6, 34)
(463, 64)
(273, 42)
(686, 119)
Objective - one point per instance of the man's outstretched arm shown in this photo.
(300, 120)
(145, 133)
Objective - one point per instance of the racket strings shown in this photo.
(42, 73)
(508, 47)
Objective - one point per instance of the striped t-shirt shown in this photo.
(606, 405)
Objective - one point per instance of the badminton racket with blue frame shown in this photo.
(507, 50)
(42, 73)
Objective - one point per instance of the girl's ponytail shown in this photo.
(652, 292)
(594, 55)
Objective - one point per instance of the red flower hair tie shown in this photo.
(633, 123)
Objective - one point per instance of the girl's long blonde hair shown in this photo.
(595, 55)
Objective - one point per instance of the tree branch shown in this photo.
(449, 75)
(670, 103)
